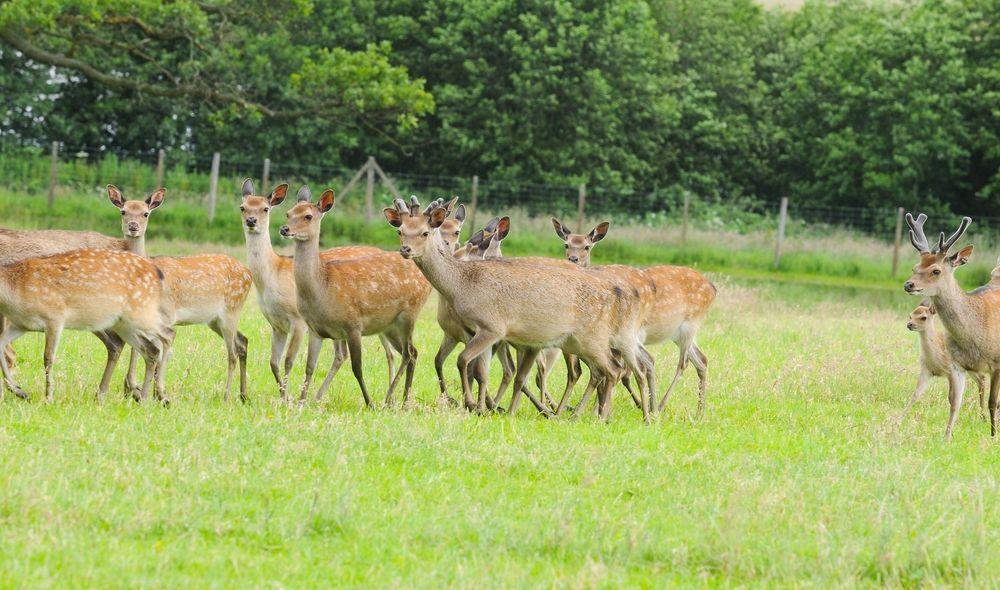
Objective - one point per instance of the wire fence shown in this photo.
(66, 171)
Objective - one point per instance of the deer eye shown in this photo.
(146, 214)
(266, 209)
(309, 217)
(243, 209)
(123, 213)
(399, 232)
(425, 234)
(586, 247)
(936, 271)
(566, 246)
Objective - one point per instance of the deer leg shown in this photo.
(399, 372)
(242, 349)
(526, 357)
(278, 341)
(411, 367)
(923, 382)
(354, 346)
(295, 337)
(129, 385)
(312, 356)
(956, 388)
(700, 362)
(542, 368)
(390, 356)
(981, 385)
(228, 334)
(508, 368)
(114, 344)
(9, 335)
(481, 375)
(151, 352)
(480, 343)
(448, 344)
(592, 384)
(994, 391)
(52, 335)
(160, 387)
(339, 356)
(681, 364)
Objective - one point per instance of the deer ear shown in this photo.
(460, 213)
(476, 238)
(931, 310)
(247, 188)
(503, 228)
(561, 230)
(156, 199)
(598, 233)
(961, 257)
(325, 202)
(116, 196)
(305, 195)
(392, 216)
(278, 194)
(437, 217)
(450, 205)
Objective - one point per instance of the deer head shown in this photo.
(920, 316)
(304, 218)
(451, 229)
(578, 245)
(935, 264)
(135, 214)
(256, 209)
(413, 226)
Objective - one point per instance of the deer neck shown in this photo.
(135, 245)
(929, 342)
(261, 259)
(309, 277)
(440, 267)
(957, 311)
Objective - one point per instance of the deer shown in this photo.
(972, 320)
(208, 289)
(116, 295)
(274, 281)
(346, 299)
(533, 305)
(936, 361)
(680, 301)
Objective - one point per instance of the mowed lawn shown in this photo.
(796, 475)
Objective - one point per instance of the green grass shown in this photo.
(795, 477)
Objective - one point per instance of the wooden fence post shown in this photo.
(53, 171)
(369, 189)
(684, 226)
(898, 241)
(581, 207)
(265, 177)
(782, 217)
(213, 186)
(474, 202)
(161, 160)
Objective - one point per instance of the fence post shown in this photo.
(265, 177)
(474, 202)
(898, 240)
(369, 189)
(161, 158)
(581, 207)
(213, 186)
(684, 227)
(782, 217)
(53, 170)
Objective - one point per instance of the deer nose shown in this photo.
(908, 286)
(133, 226)
(251, 221)
(405, 249)
(910, 326)
(284, 231)
(574, 259)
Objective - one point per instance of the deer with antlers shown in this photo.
(350, 298)
(678, 301)
(205, 289)
(971, 319)
(533, 305)
(274, 280)
(115, 295)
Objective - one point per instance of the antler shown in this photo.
(414, 206)
(944, 244)
(400, 205)
(917, 236)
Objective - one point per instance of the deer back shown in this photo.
(20, 244)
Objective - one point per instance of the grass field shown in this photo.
(796, 476)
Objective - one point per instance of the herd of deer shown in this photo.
(600, 316)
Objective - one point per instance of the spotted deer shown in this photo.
(350, 298)
(533, 305)
(936, 361)
(274, 280)
(205, 289)
(116, 295)
(972, 320)
(680, 300)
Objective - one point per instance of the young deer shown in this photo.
(205, 289)
(532, 305)
(680, 301)
(936, 361)
(972, 320)
(274, 280)
(115, 295)
(351, 298)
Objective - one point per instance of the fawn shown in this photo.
(274, 280)
(205, 289)
(116, 295)
(350, 298)
(936, 361)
